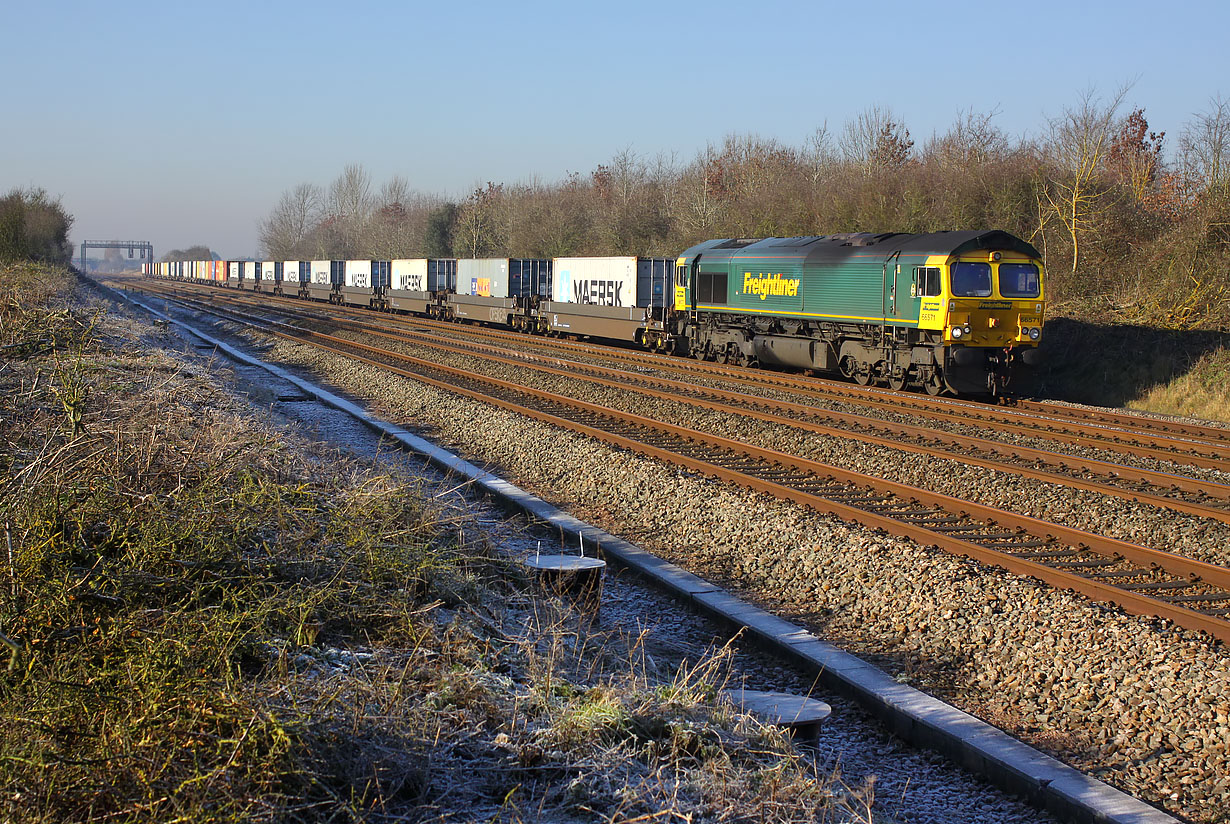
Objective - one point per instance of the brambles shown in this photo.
(209, 620)
(34, 226)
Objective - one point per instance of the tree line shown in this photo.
(1128, 229)
(34, 226)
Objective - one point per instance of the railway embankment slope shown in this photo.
(204, 618)
(1164, 371)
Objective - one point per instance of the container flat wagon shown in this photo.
(622, 298)
(295, 275)
(325, 280)
(419, 285)
(495, 290)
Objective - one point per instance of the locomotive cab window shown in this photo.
(971, 280)
(711, 287)
(1018, 280)
(927, 281)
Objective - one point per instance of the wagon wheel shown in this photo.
(897, 382)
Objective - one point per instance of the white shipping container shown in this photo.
(320, 272)
(267, 270)
(596, 281)
(487, 277)
(249, 269)
(290, 271)
(359, 274)
(410, 275)
(233, 269)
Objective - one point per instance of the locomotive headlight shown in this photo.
(957, 332)
(967, 328)
(1034, 333)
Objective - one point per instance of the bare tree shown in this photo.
(291, 221)
(395, 191)
(349, 206)
(1078, 143)
(350, 193)
(971, 141)
(480, 225)
(875, 139)
(1204, 146)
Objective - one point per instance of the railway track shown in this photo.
(1140, 579)
(1174, 442)
(1192, 496)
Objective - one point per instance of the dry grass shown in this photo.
(203, 620)
(1202, 391)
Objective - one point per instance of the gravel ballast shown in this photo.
(1135, 702)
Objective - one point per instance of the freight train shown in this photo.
(947, 312)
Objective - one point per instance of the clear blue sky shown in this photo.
(183, 123)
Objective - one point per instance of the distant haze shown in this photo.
(183, 123)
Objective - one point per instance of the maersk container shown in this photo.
(612, 281)
(325, 281)
(423, 274)
(320, 272)
(358, 274)
(296, 271)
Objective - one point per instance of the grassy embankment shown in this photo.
(204, 619)
(1147, 368)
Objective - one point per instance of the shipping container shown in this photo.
(358, 274)
(612, 281)
(416, 284)
(269, 275)
(251, 270)
(608, 297)
(423, 274)
(365, 282)
(504, 277)
(295, 272)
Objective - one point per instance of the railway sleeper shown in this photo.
(1211, 597)
(1042, 556)
(913, 513)
(926, 519)
(1127, 573)
(1158, 585)
(1092, 563)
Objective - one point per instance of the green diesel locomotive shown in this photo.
(957, 312)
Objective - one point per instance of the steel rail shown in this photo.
(1107, 436)
(1171, 427)
(746, 405)
(1190, 572)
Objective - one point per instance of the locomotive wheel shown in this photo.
(934, 386)
(862, 378)
(896, 382)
